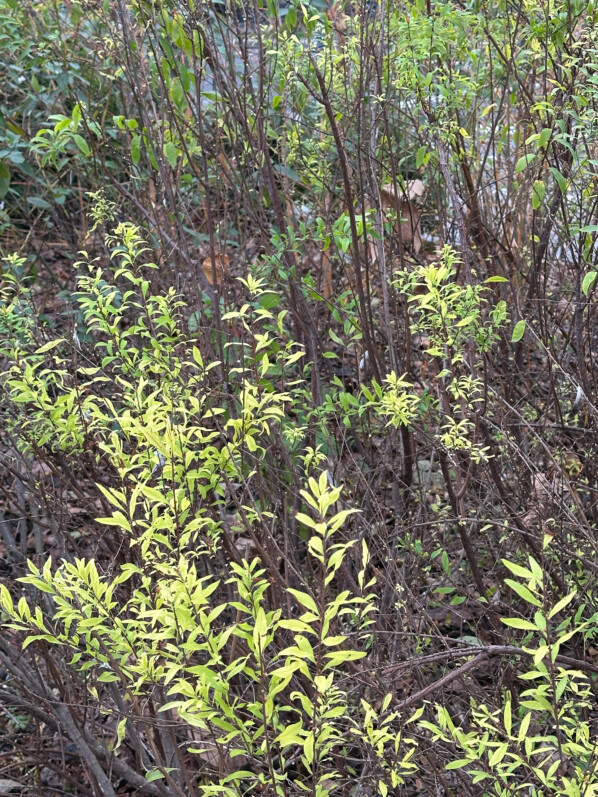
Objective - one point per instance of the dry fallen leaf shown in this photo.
(221, 265)
(404, 203)
(8, 786)
(151, 190)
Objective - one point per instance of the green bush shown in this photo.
(298, 466)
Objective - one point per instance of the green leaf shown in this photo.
(305, 600)
(136, 149)
(558, 607)
(152, 157)
(508, 717)
(544, 137)
(34, 638)
(4, 179)
(38, 202)
(171, 154)
(306, 520)
(523, 162)
(291, 18)
(51, 344)
(297, 625)
(498, 755)
(560, 179)
(588, 281)
(331, 641)
(108, 677)
(496, 279)
(341, 656)
(518, 570)
(308, 747)
(117, 519)
(446, 565)
(6, 600)
(538, 194)
(153, 775)
(39, 584)
(153, 494)
(82, 144)
(459, 763)
(287, 171)
(177, 94)
(290, 735)
(518, 332)
(120, 733)
(524, 727)
(522, 625)
(523, 592)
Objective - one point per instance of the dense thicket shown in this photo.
(298, 397)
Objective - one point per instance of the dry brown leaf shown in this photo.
(151, 189)
(338, 18)
(216, 756)
(245, 547)
(404, 203)
(221, 264)
(572, 463)
(542, 489)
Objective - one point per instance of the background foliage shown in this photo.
(298, 464)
